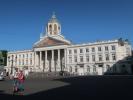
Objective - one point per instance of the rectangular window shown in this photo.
(107, 57)
(30, 61)
(113, 47)
(93, 49)
(26, 61)
(81, 58)
(19, 62)
(99, 49)
(87, 58)
(19, 56)
(70, 59)
(87, 50)
(31, 55)
(23, 62)
(100, 57)
(106, 48)
(26, 55)
(23, 55)
(113, 56)
(93, 57)
(81, 50)
(75, 51)
(75, 58)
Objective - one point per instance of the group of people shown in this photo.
(18, 80)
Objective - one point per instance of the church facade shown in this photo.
(54, 53)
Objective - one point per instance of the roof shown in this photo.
(53, 19)
(49, 41)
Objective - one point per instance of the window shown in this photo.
(94, 68)
(27, 55)
(19, 62)
(81, 50)
(30, 61)
(93, 49)
(23, 55)
(93, 57)
(108, 67)
(113, 57)
(31, 55)
(81, 58)
(55, 27)
(70, 51)
(88, 68)
(106, 48)
(27, 62)
(75, 58)
(19, 56)
(100, 57)
(99, 49)
(107, 57)
(70, 59)
(50, 27)
(70, 69)
(75, 51)
(76, 69)
(23, 62)
(87, 50)
(113, 47)
(87, 58)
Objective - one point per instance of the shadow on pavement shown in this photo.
(88, 87)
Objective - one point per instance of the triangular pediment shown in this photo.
(49, 41)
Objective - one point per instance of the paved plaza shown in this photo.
(73, 87)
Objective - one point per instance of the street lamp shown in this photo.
(12, 65)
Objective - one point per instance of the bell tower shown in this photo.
(53, 27)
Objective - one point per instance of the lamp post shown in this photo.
(12, 65)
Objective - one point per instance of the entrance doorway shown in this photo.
(100, 69)
(81, 70)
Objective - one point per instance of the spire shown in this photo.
(41, 34)
(53, 15)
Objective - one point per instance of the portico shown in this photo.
(50, 60)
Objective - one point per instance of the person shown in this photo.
(15, 81)
(21, 80)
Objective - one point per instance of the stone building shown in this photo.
(54, 53)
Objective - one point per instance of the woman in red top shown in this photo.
(21, 80)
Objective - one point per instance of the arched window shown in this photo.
(55, 27)
(50, 28)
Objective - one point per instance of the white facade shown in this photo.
(53, 53)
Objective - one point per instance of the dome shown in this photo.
(53, 19)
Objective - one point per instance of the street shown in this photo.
(74, 87)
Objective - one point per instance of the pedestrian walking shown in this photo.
(21, 79)
(15, 81)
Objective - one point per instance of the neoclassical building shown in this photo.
(54, 53)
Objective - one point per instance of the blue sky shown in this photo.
(82, 21)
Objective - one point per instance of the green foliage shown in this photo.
(3, 57)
